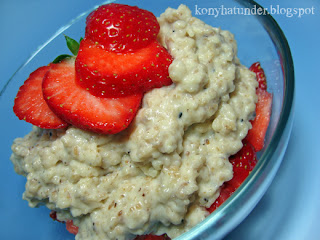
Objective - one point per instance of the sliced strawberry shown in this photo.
(71, 227)
(30, 106)
(53, 215)
(69, 224)
(122, 28)
(260, 124)
(225, 192)
(110, 74)
(80, 108)
(152, 237)
(243, 163)
(261, 77)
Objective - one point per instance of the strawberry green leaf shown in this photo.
(61, 57)
(73, 45)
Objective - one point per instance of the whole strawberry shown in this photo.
(121, 28)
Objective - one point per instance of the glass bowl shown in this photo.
(259, 38)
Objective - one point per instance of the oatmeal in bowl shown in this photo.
(153, 157)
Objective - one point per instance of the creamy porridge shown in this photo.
(161, 173)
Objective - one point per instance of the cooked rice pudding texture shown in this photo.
(161, 173)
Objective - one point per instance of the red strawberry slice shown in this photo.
(110, 74)
(256, 134)
(121, 27)
(226, 191)
(30, 106)
(53, 215)
(80, 108)
(261, 77)
(243, 163)
(152, 237)
(71, 227)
